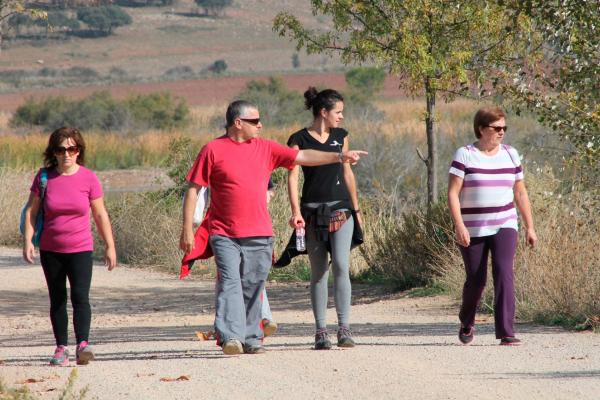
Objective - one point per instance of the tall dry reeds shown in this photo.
(14, 191)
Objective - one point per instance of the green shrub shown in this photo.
(179, 72)
(101, 111)
(218, 67)
(104, 18)
(365, 81)
(278, 105)
(214, 7)
(158, 110)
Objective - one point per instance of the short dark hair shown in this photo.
(486, 116)
(236, 109)
(56, 138)
(325, 99)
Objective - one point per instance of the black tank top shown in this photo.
(325, 182)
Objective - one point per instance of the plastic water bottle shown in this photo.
(300, 239)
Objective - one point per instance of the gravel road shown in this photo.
(144, 327)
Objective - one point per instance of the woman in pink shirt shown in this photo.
(66, 242)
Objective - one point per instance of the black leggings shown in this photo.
(77, 267)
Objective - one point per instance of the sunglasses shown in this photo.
(498, 128)
(253, 121)
(72, 150)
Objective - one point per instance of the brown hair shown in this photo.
(486, 116)
(56, 139)
(325, 99)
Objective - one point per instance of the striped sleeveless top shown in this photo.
(486, 198)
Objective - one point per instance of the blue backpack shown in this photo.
(39, 220)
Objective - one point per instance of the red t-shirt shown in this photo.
(237, 175)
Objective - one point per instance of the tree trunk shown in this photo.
(432, 153)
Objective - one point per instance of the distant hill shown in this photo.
(171, 42)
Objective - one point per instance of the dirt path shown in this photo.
(144, 329)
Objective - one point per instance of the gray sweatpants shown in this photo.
(340, 260)
(243, 265)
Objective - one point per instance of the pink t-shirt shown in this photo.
(67, 227)
(237, 175)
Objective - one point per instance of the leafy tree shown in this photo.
(440, 48)
(214, 7)
(9, 8)
(104, 18)
(562, 87)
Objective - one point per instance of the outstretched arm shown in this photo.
(313, 158)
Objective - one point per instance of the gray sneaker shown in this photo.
(322, 341)
(254, 349)
(232, 347)
(344, 337)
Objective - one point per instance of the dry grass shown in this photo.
(559, 280)
(13, 195)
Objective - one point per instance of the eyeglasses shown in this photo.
(498, 128)
(253, 121)
(72, 150)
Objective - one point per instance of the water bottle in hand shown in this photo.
(300, 239)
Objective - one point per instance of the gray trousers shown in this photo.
(243, 265)
(340, 242)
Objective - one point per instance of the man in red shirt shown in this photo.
(237, 167)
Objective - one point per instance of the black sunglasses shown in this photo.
(72, 150)
(253, 121)
(498, 128)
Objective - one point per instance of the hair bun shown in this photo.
(310, 96)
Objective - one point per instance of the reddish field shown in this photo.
(197, 92)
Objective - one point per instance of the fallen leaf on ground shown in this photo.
(181, 378)
(208, 335)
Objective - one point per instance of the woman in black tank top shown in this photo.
(327, 210)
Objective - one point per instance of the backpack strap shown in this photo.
(43, 182)
(507, 147)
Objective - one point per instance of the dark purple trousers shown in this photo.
(503, 246)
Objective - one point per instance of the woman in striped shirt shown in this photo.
(484, 179)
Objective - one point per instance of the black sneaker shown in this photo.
(466, 335)
(322, 341)
(254, 349)
(344, 337)
(510, 341)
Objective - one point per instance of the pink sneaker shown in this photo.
(61, 357)
(84, 353)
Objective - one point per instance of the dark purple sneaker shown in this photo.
(510, 341)
(466, 335)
